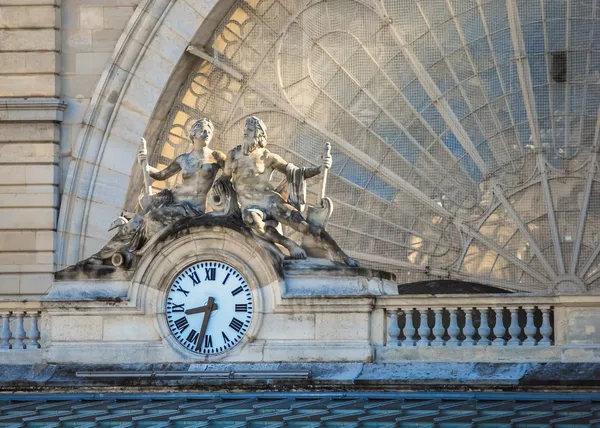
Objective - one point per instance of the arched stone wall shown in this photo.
(147, 56)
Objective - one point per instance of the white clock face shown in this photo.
(209, 307)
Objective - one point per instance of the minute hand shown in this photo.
(210, 305)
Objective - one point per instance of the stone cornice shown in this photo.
(32, 109)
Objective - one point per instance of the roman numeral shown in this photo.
(177, 308)
(226, 278)
(237, 291)
(182, 323)
(236, 324)
(241, 308)
(195, 278)
(225, 338)
(210, 274)
(208, 341)
(182, 290)
(193, 337)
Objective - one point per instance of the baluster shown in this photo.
(469, 329)
(423, 329)
(393, 329)
(546, 328)
(484, 328)
(438, 328)
(453, 329)
(409, 329)
(5, 334)
(530, 328)
(19, 333)
(499, 329)
(34, 333)
(514, 330)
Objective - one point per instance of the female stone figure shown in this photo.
(187, 199)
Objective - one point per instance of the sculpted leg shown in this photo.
(254, 220)
(297, 222)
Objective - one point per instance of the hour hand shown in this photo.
(199, 309)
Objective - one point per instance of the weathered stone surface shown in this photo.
(91, 18)
(130, 328)
(91, 63)
(583, 326)
(20, 132)
(342, 326)
(28, 218)
(35, 85)
(287, 326)
(117, 17)
(28, 153)
(29, 62)
(77, 328)
(29, 40)
(29, 17)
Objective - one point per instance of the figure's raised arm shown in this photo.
(168, 172)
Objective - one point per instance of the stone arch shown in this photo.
(148, 62)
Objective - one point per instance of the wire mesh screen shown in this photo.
(464, 132)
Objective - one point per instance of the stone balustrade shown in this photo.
(470, 326)
(19, 329)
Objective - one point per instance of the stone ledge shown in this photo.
(32, 109)
(324, 376)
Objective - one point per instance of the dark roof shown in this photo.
(301, 409)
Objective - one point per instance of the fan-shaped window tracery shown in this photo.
(463, 134)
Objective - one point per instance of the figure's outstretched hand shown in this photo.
(142, 153)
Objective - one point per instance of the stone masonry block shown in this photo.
(105, 40)
(36, 283)
(29, 17)
(27, 218)
(128, 328)
(28, 153)
(183, 19)
(76, 40)
(78, 86)
(29, 62)
(35, 85)
(91, 18)
(29, 174)
(29, 40)
(17, 240)
(141, 96)
(76, 328)
(116, 17)
(287, 326)
(9, 284)
(91, 62)
(30, 132)
(342, 326)
(16, 200)
(30, 2)
(44, 240)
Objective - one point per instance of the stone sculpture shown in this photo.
(187, 199)
(249, 168)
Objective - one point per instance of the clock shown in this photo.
(209, 307)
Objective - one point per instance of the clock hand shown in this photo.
(211, 306)
(201, 309)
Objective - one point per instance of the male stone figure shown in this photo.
(250, 167)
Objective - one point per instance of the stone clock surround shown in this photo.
(295, 316)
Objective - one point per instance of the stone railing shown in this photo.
(19, 327)
(453, 321)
